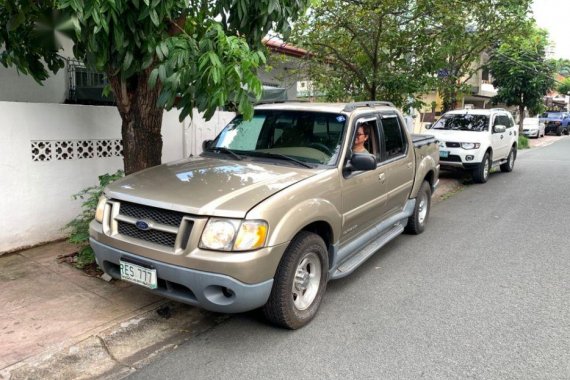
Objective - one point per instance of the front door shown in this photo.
(501, 140)
(363, 192)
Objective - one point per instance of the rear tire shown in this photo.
(559, 131)
(417, 221)
(508, 166)
(300, 282)
(481, 172)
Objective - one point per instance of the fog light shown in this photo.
(469, 158)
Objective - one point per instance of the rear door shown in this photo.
(397, 160)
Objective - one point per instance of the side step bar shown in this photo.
(355, 260)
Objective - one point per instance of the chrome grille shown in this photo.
(153, 236)
(158, 215)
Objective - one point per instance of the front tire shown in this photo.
(481, 172)
(508, 166)
(417, 221)
(300, 282)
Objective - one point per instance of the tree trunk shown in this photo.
(449, 93)
(521, 118)
(141, 120)
(449, 100)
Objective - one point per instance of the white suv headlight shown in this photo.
(233, 235)
(469, 146)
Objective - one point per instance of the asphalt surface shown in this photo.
(483, 293)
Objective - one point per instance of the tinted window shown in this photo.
(503, 120)
(463, 122)
(393, 137)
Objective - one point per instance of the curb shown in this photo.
(119, 350)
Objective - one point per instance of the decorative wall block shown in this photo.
(46, 150)
(64, 150)
(117, 147)
(41, 151)
(103, 148)
(85, 149)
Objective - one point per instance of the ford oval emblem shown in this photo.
(142, 225)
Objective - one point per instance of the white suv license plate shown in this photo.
(443, 153)
(138, 275)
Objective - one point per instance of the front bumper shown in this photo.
(551, 128)
(531, 133)
(460, 158)
(211, 291)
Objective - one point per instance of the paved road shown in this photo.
(484, 293)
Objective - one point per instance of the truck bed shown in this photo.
(421, 140)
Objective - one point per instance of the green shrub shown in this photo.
(523, 142)
(79, 227)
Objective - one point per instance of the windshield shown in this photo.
(463, 122)
(309, 137)
(552, 115)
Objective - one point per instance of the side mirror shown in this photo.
(428, 126)
(206, 144)
(362, 161)
(499, 128)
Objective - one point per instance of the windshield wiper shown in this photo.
(282, 157)
(227, 151)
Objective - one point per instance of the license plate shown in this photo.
(138, 275)
(443, 153)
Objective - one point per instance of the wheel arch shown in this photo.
(325, 231)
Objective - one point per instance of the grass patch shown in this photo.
(523, 142)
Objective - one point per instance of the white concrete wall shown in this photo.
(35, 196)
(15, 87)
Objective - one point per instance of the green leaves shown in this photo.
(78, 228)
(521, 72)
(368, 49)
(216, 71)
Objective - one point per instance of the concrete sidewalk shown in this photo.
(59, 323)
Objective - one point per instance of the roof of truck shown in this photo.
(327, 107)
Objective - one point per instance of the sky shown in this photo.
(554, 16)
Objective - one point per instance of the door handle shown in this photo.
(382, 177)
(502, 137)
(410, 165)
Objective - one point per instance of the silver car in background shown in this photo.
(533, 127)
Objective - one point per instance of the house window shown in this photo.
(485, 75)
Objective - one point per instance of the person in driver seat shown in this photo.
(360, 139)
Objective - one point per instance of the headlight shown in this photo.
(233, 235)
(100, 209)
(470, 145)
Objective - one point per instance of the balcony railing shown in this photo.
(86, 86)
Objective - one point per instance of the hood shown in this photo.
(456, 136)
(207, 186)
(550, 118)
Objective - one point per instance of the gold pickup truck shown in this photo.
(273, 209)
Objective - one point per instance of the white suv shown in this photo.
(477, 140)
